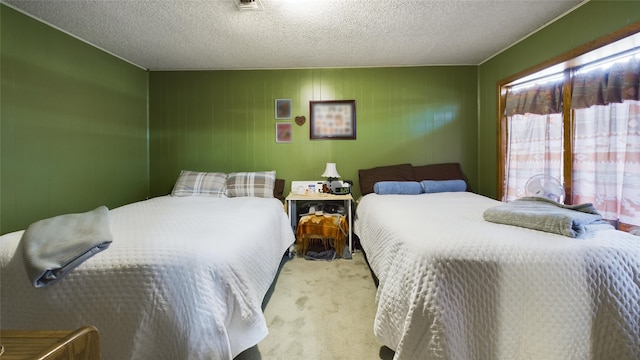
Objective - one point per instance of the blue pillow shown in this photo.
(397, 188)
(435, 186)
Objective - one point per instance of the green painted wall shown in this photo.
(591, 21)
(73, 125)
(225, 121)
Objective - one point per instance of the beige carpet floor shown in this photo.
(321, 310)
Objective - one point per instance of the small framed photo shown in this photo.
(283, 132)
(283, 108)
(334, 119)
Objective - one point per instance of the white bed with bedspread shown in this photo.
(184, 278)
(455, 286)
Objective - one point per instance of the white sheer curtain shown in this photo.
(606, 162)
(534, 146)
(534, 134)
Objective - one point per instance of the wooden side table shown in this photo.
(347, 199)
(80, 344)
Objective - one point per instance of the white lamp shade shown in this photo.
(330, 171)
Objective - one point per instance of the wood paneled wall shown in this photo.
(73, 125)
(225, 120)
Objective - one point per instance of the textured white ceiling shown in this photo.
(214, 34)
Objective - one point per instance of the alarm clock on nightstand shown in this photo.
(343, 189)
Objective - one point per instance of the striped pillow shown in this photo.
(194, 183)
(258, 184)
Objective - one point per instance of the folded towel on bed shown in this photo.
(547, 215)
(53, 247)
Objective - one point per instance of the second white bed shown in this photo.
(454, 286)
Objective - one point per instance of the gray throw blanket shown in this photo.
(547, 215)
(53, 247)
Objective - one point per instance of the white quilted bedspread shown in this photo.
(453, 286)
(183, 279)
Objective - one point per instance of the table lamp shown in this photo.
(331, 173)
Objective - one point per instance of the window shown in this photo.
(606, 159)
(577, 121)
(534, 134)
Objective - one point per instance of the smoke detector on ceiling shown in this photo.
(249, 5)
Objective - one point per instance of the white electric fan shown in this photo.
(545, 186)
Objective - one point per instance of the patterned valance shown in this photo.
(540, 99)
(601, 86)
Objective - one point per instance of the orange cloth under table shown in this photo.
(331, 230)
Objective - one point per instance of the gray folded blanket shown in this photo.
(55, 246)
(547, 215)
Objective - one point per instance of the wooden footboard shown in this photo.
(81, 344)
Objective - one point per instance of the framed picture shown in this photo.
(334, 119)
(283, 132)
(283, 108)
